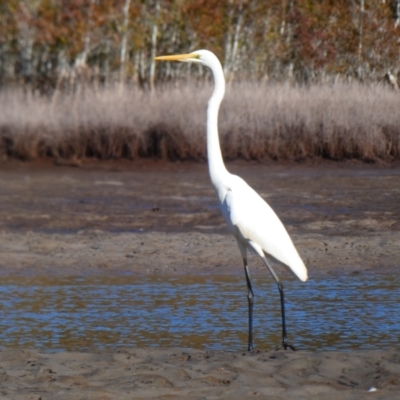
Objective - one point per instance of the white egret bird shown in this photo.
(250, 219)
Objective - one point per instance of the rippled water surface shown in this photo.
(326, 313)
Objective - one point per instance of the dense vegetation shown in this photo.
(78, 79)
(257, 121)
(50, 43)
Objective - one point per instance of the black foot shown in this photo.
(285, 345)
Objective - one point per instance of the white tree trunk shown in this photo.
(232, 41)
(153, 53)
(124, 41)
(360, 37)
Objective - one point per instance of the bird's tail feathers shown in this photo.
(296, 267)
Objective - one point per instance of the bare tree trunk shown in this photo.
(154, 33)
(289, 28)
(124, 41)
(291, 56)
(86, 40)
(105, 68)
(142, 68)
(80, 65)
(228, 41)
(136, 68)
(392, 80)
(25, 42)
(395, 5)
(236, 37)
(282, 26)
(360, 37)
(232, 42)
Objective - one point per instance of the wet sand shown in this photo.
(193, 374)
(156, 218)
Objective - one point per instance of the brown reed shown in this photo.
(281, 121)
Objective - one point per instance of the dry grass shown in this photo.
(339, 121)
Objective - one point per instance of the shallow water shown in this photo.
(207, 312)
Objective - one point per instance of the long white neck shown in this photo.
(216, 164)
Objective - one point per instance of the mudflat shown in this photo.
(162, 218)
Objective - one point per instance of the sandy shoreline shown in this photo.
(193, 374)
(93, 252)
(163, 220)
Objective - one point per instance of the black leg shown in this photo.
(250, 299)
(285, 344)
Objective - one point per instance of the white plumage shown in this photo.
(255, 225)
(249, 218)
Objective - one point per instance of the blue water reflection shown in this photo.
(77, 313)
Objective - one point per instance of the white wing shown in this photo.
(254, 224)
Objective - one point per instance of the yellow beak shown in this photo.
(177, 57)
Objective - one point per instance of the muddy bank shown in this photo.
(163, 218)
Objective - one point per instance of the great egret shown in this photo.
(250, 219)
